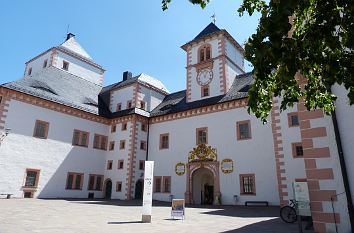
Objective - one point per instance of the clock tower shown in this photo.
(214, 58)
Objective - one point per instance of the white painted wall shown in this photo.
(234, 54)
(150, 97)
(121, 96)
(79, 68)
(37, 64)
(250, 156)
(55, 156)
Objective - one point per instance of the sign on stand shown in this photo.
(302, 198)
(178, 209)
(147, 195)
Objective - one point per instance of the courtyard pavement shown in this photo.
(90, 216)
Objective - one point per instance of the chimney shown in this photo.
(127, 75)
(69, 35)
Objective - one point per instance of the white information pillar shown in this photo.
(147, 196)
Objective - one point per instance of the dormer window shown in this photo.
(65, 65)
(204, 53)
(45, 63)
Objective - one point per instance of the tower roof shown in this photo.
(72, 44)
(211, 28)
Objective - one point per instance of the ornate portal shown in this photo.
(227, 166)
(202, 153)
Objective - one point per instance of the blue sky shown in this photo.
(119, 35)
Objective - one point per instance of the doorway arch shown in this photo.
(211, 171)
(139, 189)
(107, 189)
(203, 186)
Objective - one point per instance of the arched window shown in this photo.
(204, 53)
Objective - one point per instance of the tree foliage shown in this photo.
(320, 48)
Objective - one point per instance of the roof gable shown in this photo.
(211, 28)
(73, 45)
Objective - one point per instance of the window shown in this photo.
(100, 142)
(141, 165)
(65, 65)
(142, 105)
(164, 141)
(109, 164)
(293, 119)
(111, 145)
(119, 186)
(243, 130)
(95, 182)
(157, 184)
(32, 177)
(124, 126)
(129, 104)
(29, 71)
(113, 128)
(297, 149)
(45, 63)
(80, 138)
(205, 91)
(120, 164)
(247, 183)
(204, 53)
(74, 180)
(118, 107)
(167, 184)
(202, 135)
(122, 144)
(143, 127)
(41, 129)
(142, 145)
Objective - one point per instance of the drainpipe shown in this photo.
(343, 169)
(147, 140)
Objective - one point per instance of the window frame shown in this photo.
(73, 185)
(162, 145)
(118, 107)
(143, 127)
(65, 65)
(290, 122)
(165, 178)
(29, 72)
(113, 128)
(142, 165)
(95, 177)
(81, 133)
(111, 145)
(238, 132)
(129, 104)
(109, 165)
(242, 185)
(202, 89)
(120, 164)
(142, 105)
(155, 186)
(294, 146)
(45, 63)
(100, 140)
(38, 171)
(197, 130)
(143, 145)
(122, 145)
(124, 126)
(119, 186)
(203, 52)
(46, 124)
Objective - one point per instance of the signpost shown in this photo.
(177, 209)
(147, 195)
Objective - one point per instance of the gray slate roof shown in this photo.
(59, 86)
(211, 28)
(176, 102)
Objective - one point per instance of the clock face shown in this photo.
(204, 77)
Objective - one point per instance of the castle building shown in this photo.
(72, 137)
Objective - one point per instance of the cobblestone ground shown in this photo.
(84, 216)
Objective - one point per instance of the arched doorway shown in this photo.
(107, 189)
(139, 189)
(203, 186)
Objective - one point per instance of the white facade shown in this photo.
(235, 169)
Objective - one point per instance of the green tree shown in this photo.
(320, 48)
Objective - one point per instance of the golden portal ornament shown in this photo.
(202, 153)
(180, 169)
(227, 166)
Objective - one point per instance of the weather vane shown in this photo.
(213, 18)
